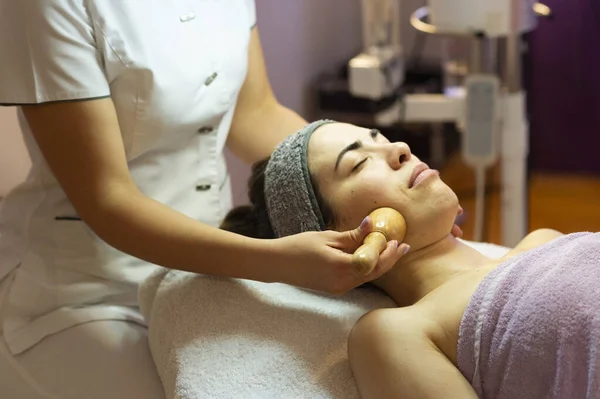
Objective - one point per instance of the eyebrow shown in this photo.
(350, 147)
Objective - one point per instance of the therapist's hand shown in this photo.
(456, 230)
(322, 261)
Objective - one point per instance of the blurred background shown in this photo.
(308, 45)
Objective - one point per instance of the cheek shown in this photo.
(357, 199)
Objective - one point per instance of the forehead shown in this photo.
(328, 140)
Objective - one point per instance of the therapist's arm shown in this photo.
(260, 121)
(82, 144)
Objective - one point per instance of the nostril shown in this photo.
(402, 158)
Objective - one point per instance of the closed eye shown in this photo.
(358, 165)
(374, 134)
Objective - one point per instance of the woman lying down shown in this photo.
(524, 326)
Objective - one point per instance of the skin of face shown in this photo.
(375, 173)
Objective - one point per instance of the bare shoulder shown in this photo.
(392, 355)
(405, 319)
(391, 325)
(537, 238)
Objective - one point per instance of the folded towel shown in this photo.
(532, 328)
(226, 338)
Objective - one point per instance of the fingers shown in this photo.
(359, 234)
(350, 240)
(457, 231)
(387, 259)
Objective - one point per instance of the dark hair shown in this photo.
(253, 220)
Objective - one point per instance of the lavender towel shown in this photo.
(532, 328)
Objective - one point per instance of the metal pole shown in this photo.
(514, 139)
(513, 50)
(367, 25)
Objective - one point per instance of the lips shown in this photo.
(420, 168)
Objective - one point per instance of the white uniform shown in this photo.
(173, 69)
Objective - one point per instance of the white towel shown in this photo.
(227, 338)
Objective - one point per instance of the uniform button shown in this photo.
(203, 187)
(205, 129)
(187, 17)
(211, 79)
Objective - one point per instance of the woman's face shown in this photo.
(358, 170)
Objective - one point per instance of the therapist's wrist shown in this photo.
(274, 261)
(255, 259)
(288, 260)
(270, 261)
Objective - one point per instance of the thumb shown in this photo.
(357, 236)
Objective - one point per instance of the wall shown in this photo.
(565, 88)
(14, 160)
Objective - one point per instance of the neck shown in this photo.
(422, 271)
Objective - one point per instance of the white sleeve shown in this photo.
(251, 4)
(48, 53)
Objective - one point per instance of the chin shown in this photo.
(441, 185)
(448, 196)
(442, 194)
(435, 225)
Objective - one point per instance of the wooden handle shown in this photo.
(366, 256)
(388, 224)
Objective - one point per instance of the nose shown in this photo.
(399, 154)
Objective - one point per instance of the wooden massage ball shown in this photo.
(389, 225)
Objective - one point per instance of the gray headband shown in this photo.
(291, 202)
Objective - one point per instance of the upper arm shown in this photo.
(392, 357)
(260, 122)
(256, 92)
(82, 144)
